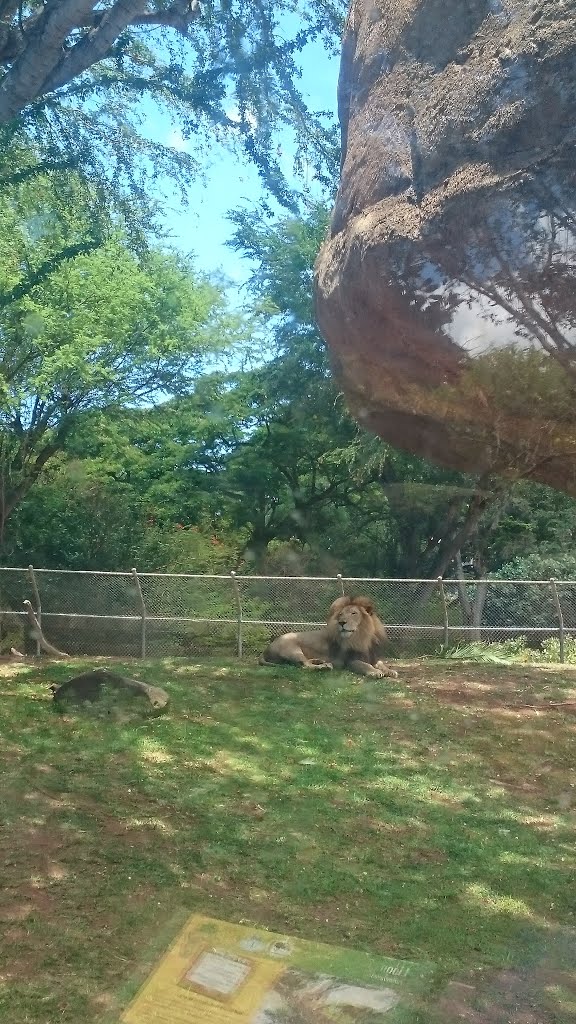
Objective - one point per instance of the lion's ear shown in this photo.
(365, 603)
(338, 605)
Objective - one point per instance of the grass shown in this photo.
(428, 818)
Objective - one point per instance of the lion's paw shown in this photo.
(385, 670)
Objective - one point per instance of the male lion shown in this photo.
(352, 638)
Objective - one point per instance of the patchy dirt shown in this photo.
(511, 997)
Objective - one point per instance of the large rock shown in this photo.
(447, 288)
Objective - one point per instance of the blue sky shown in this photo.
(202, 227)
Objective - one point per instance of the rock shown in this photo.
(92, 686)
(447, 288)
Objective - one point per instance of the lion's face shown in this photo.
(350, 619)
(353, 624)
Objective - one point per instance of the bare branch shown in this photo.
(39, 636)
(41, 61)
(179, 16)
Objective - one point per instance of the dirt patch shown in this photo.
(30, 901)
(540, 996)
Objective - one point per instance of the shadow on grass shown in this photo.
(416, 818)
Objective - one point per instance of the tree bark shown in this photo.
(451, 545)
(24, 82)
(40, 56)
(471, 610)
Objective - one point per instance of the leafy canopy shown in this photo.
(112, 327)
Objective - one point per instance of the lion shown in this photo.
(352, 638)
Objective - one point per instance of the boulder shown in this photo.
(100, 683)
(446, 290)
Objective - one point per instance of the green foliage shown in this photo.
(259, 466)
(81, 331)
(513, 651)
(76, 516)
(195, 549)
(532, 519)
(45, 220)
(550, 650)
(106, 328)
(506, 652)
(536, 566)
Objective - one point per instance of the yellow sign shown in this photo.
(200, 980)
(220, 973)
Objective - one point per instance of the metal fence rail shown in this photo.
(133, 614)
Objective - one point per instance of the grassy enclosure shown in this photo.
(428, 818)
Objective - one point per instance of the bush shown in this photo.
(550, 650)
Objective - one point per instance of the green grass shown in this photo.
(423, 818)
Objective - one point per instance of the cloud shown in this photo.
(177, 141)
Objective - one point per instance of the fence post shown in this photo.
(38, 603)
(238, 603)
(143, 613)
(556, 597)
(440, 582)
(339, 578)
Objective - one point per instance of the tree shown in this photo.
(48, 217)
(76, 516)
(104, 331)
(73, 73)
(288, 461)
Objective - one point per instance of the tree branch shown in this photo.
(45, 167)
(42, 49)
(42, 62)
(37, 634)
(95, 44)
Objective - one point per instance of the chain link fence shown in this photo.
(132, 614)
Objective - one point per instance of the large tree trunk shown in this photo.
(446, 288)
(472, 609)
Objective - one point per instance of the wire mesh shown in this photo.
(89, 612)
(129, 614)
(189, 615)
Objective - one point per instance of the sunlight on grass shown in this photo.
(152, 751)
(483, 896)
(154, 823)
(13, 669)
